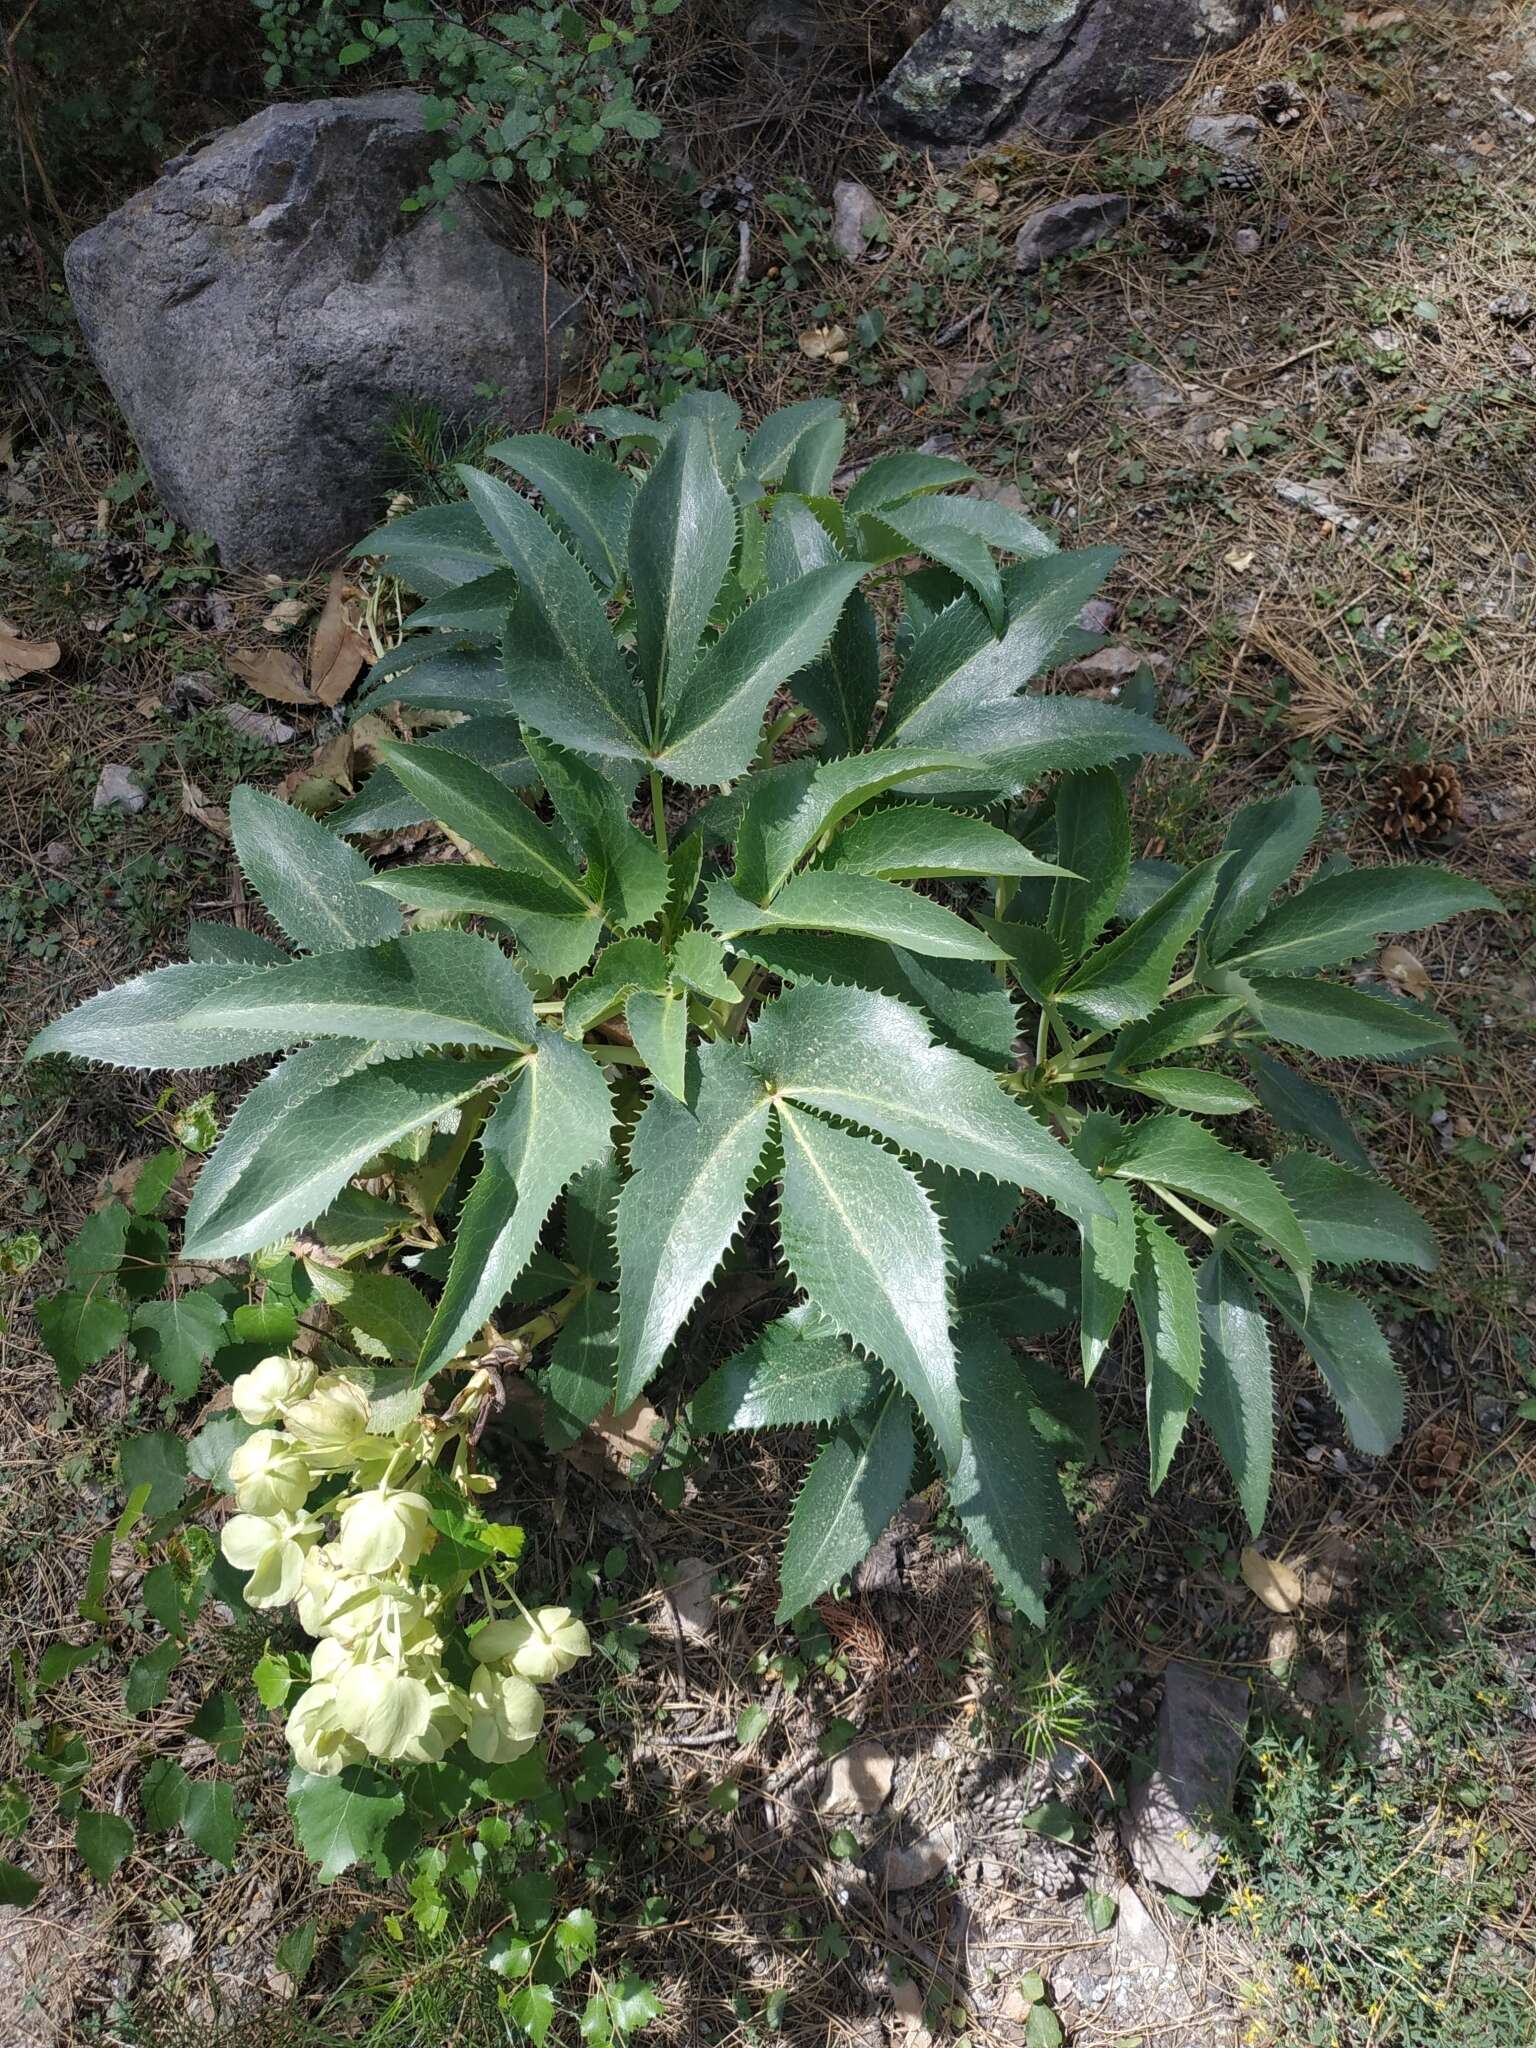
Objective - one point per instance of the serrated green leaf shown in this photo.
(870, 1061)
(477, 806)
(697, 962)
(682, 537)
(859, 905)
(479, 610)
(796, 1371)
(815, 460)
(557, 940)
(860, 1235)
(684, 1200)
(433, 550)
(1005, 1492)
(1109, 1245)
(565, 672)
(779, 433)
(1037, 961)
(1172, 1152)
(1148, 881)
(1351, 1218)
(589, 494)
(627, 872)
(105, 1842)
(427, 988)
(1304, 1109)
(912, 840)
(578, 1381)
(1344, 1342)
(384, 1306)
(1266, 841)
(1173, 1027)
(938, 528)
(383, 804)
(532, 2008)
(1168, 1315)
(176, 1338)
(146, 1023)
(226, 945)
(1019, 740)
(1236, 1398)
(289, 1171)
(960, 681)
(713, 720)
(1062, 1411)
(894, 478)
(622, 968)
(658, 1026)
(1020, 1294)
(857, 1484)
(1340, 917)
(1345, 1023)
(1186, 1088)
(973, 1213)
(1093, 843)
(80, 1330)
(1128, 977)
(435, 673)
(790, 809)
(555, 1120)
(343, 1820)
(314, 885)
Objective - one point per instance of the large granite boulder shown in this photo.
(990, 70)
(261, 310)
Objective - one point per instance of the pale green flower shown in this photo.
(260, 1394)
(272, 1548)
(319, 1743)
(504, 1716)
(331, 1421)
(270, 1475)
(540, 1647)
(384, 1530)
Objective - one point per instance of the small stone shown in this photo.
(859, 1780)
(1489, 1416)
(1226, 134)
(1097, 615)
(1514, 308)
(1149, 392)
(856, 219)
(1065, 225)
(117, 785)
(903, 1870)
(690, 1599)
(1247, 242)
(1167, 1829)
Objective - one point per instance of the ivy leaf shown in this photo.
(1173, 1152)
(1265, 842)
(860, 1236)
(314, 885)
(307, 1155)
(797, 1370)
(428, 988)
(1005, 1492)
(1168, 1313)
(1344, 1342)
(343, 1820)
(1236, 1398)
(857, 904)
(1129, 976)
(178, 1337)
(1345, 1023)
(856, 1485)
(1304, 1109)
(1350, 1218)
(692, 1165)
(555, 1120)
(1340, 917)
(869, 1060)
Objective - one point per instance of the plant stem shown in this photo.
(658, 812)
(1181, 1208)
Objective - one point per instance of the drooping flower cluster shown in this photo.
(334, 1520)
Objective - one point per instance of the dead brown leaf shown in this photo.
(1406, 971)
(20, 657)
(615, 1443)
(256, 725)
(338, 651)
(824, 344)
(195, 804)
(272, 673)
(1270, 1581)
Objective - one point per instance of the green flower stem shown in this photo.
(1181, 1208)
(658, 812)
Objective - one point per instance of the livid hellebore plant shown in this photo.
(892, 1017)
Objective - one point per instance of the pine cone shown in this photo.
(1278, 101)
(1435, 1457)
(1420, 802)
(1240, 174)
(1178, 231)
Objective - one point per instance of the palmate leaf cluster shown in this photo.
(899, 1015)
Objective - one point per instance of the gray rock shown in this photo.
(1067, 224)
(903, 1868)
(1169, 1828)
(261, 310)
(1226, 134)
(1513, 308)
(118, 788)
(1247, 242)
(1062, 69)
(856, 219)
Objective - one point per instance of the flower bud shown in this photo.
(258, 1395)
(385, 1707)
(384, 1531)
(538, 1647)
(270, 1475)
(272, 1549)
(504, 1716)
(319, 1743)
(330, 1420)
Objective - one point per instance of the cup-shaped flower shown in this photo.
(260, 1394)
(446, 1723)
(383, 1530)
(319, 1743)
(270, 1475)
(385, 1706)
(504, 1716)
(272, 1548)
(331, 1420)
(540, 1646)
